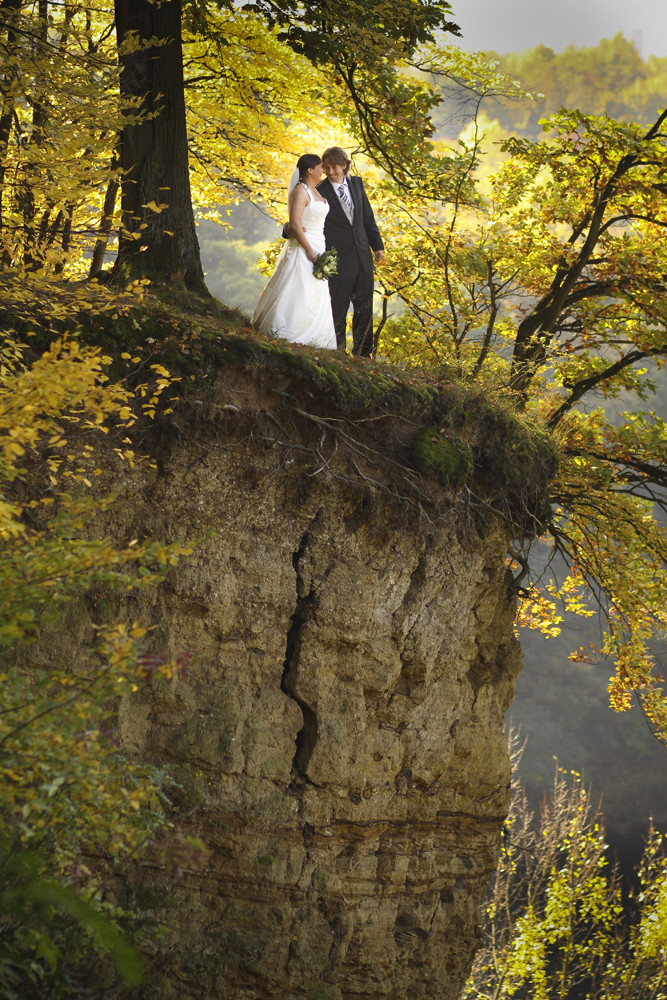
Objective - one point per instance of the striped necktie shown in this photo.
(348, 207)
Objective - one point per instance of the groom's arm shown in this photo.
(370, 225)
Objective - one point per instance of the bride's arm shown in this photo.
(297, 232)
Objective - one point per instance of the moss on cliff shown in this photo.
(448, 432)
(449, 460)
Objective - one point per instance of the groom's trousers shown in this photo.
(356, 288)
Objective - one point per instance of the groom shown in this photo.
(351, 229)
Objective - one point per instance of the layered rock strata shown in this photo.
(339, 741)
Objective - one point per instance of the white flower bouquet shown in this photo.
(326, 265)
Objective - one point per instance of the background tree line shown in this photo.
(610, 77)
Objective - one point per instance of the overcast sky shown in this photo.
(510, 25)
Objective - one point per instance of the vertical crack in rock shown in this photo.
(411, 679)
(306, 738)
(489, 611)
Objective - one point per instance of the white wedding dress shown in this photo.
(295, 305)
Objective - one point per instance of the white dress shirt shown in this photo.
(349, 211)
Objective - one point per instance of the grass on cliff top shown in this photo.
(195, 338)
(460, 433)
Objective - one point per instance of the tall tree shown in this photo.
(158, 236)
(9, 9)
(61, 118)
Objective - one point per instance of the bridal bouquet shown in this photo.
(326, 265)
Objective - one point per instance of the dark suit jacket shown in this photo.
(355, 242)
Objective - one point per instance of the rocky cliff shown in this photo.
(339, 740)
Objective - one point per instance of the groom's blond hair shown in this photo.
(338, 157)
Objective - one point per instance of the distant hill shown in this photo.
(610, 78)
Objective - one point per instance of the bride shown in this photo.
(296, 305)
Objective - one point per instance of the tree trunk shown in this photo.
(106, 222)
(162, 245)
(26, 189)
(7, 102)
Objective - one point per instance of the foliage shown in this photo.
(388, 112)
(554, 922)
(545, 276)
(28, 903)
(59, 117)
(246, 125)
(68, 792)
(66, 96)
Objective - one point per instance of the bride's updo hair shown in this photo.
(306, 163)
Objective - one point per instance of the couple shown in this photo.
(332, 214)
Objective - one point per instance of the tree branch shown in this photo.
(584, 385)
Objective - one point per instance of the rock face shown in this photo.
(339, 740)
